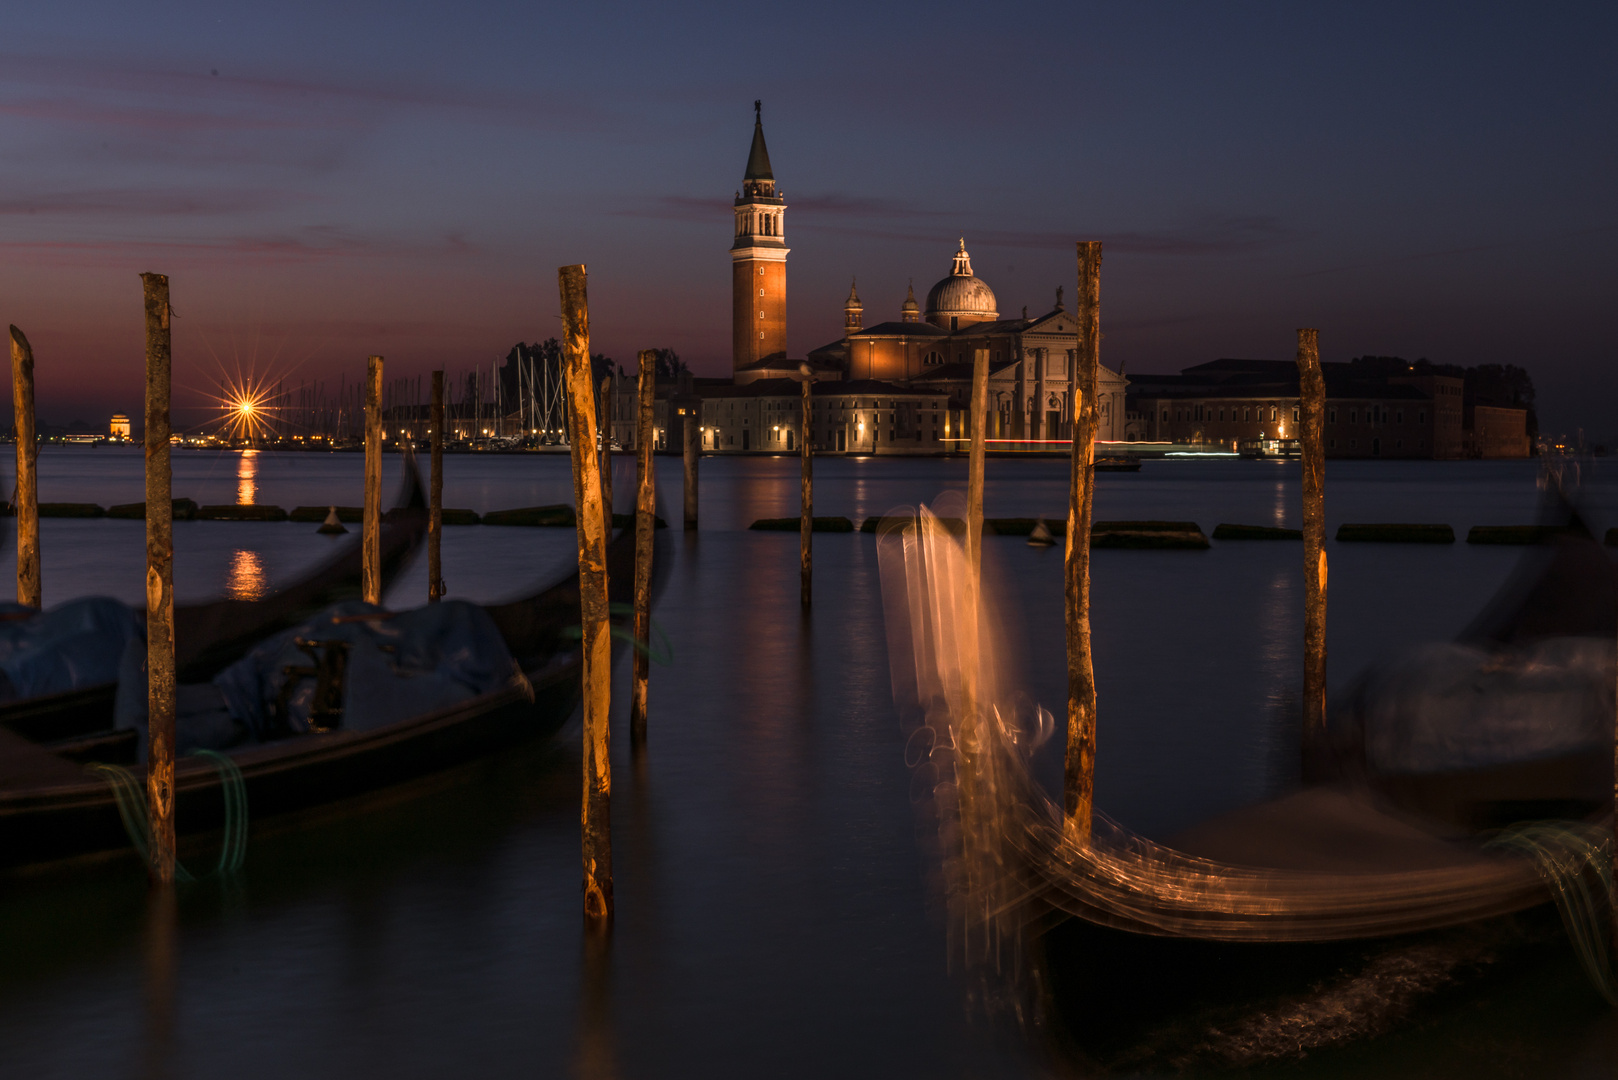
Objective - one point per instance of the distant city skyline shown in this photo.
(326, 181)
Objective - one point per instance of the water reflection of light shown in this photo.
(247, 478)
(247, 579)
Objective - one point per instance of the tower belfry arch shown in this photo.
(758, 258)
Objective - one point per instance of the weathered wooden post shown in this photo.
(160, 687)
(371, 537)
(974, 465)
(693, 451)
(806, 523)
(1079, 762)
(606, 446)
(435, 497)
(645, 530)
(595, 820)
(1311, 412)
(30, 589)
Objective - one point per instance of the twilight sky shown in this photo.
(325, 180)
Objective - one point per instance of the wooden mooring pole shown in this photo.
(806, 523)
(30, 589)
(645, 531)
(1312, 408)
(595, 820)
(435, 497)
(1079, 761)
(974, 464)
(160, 687)
(693, 451)
(371, 537)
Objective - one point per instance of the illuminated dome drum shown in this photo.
(961, 299)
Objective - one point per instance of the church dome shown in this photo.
(961, 297)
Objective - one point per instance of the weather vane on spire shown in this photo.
(758, 111)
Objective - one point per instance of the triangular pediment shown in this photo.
(1055, 322)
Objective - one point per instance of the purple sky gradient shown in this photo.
(1422, 180)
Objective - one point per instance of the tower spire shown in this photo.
(853, 310)
(758, 158)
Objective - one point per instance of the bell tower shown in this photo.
(758, 260)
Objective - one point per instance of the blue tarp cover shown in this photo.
(68, 647)
(400, 664)
(1444, 706)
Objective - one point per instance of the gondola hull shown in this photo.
(52, 809)
(80, 816)
(1129, 1002)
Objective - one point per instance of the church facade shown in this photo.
(900, 386)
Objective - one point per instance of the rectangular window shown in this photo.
(1421, 416)
(1399, 416)
(1331, 415)
(1353, 416)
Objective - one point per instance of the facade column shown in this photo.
(1040, 364)
(1072, 394)
(1019, 415)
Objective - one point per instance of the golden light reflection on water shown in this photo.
(247, 478)
(247, 579)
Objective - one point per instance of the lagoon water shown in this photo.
(772, 917)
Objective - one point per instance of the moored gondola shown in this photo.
(1514, 718)
(1309, 921)
(210, 635)
(52, 809)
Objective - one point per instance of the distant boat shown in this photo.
(1117, 464)
(1041, 536)
(1269, 448)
